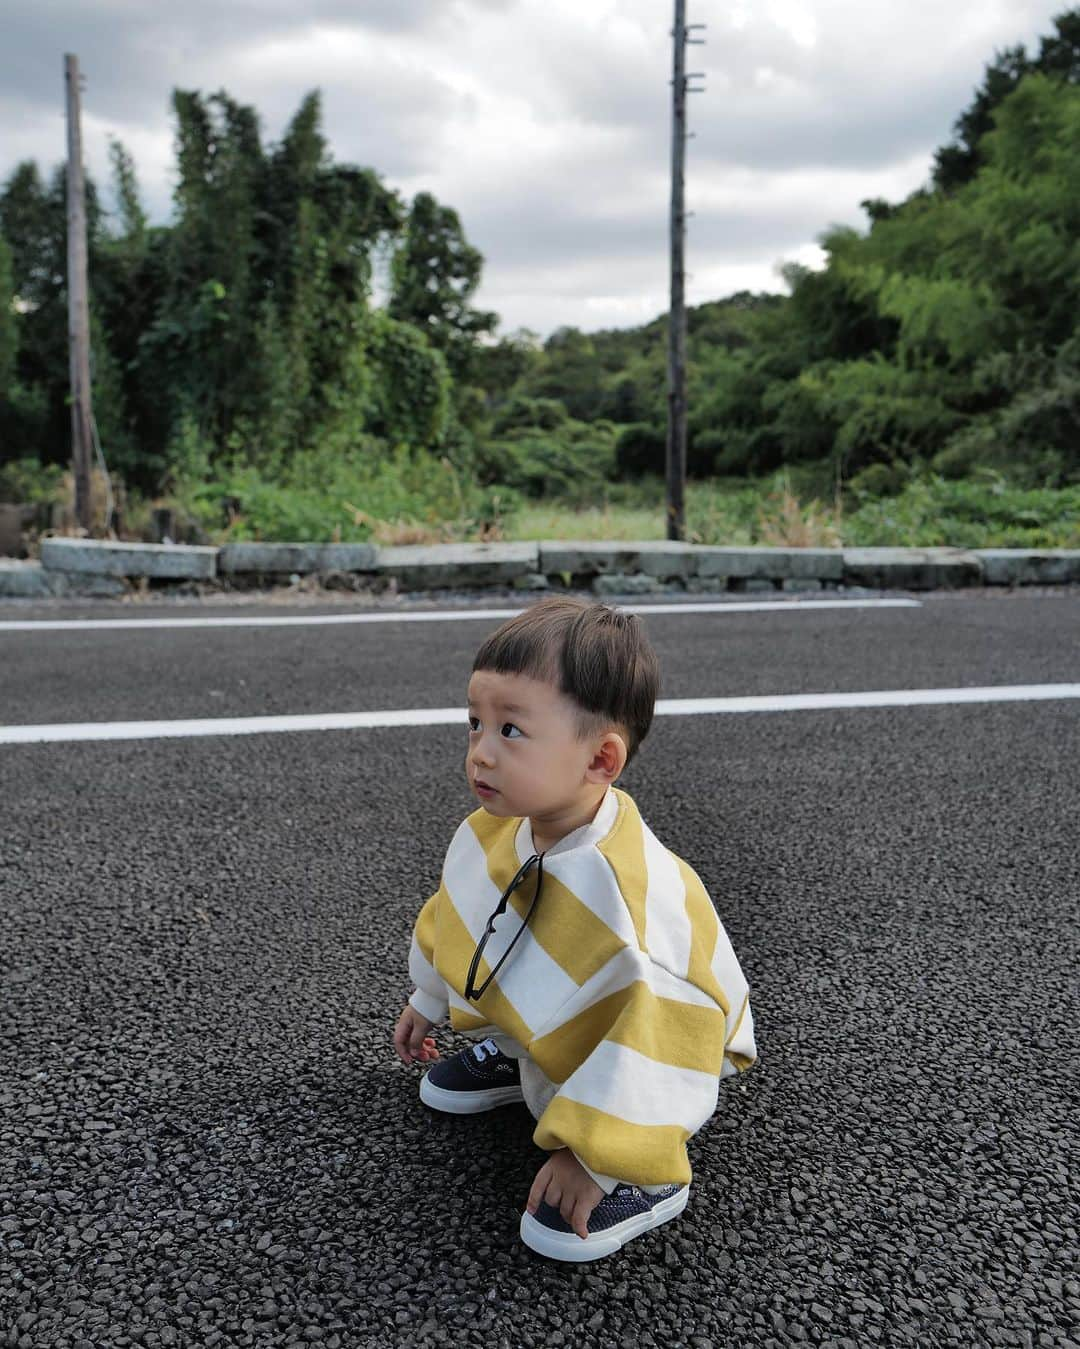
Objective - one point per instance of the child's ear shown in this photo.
(609, 759)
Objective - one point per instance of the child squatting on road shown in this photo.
(584, 958)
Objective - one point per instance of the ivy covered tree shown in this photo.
(8, 334)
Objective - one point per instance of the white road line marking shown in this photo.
(429, 615)
(447, 716)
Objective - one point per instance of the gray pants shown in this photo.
(536, 1086)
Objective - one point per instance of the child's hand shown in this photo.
(411, 1039)
(567, 1186)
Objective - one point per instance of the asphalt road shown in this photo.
(205, 1136)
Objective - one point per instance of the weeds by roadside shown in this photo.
(402, 499)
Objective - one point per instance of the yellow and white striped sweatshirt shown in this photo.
(624, 989)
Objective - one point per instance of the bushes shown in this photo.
(640, 448)
(409, 383)
(521, 413)
(982, 512)
(26, 482)
(334, 494)
(573, 463)
(1036, 438)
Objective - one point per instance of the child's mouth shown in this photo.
(482, 789)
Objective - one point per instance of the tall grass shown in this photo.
(396, 497)
(980, 512)
(322, 496)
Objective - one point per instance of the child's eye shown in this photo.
(474, 723)
(510, 731)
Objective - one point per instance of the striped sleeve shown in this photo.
(430, 997)
(638, 1053)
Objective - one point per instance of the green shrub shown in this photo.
(983, 512)
(544, 414)
(878, 480)
(329, 494)
(25, 481)
(1035, 439)
(640, 448)
(573, 466)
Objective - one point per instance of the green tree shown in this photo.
(129, 283)
(957, 163)
(498, 366)
(1059, 58)
(435, 272)
(9, 336)
(268, 274)
(571, 371)
(202, 339)
(323, 223)
(32, 221)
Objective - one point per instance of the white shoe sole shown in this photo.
(569, 1246)
(467, 1102)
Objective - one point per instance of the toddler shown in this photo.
(584, 958)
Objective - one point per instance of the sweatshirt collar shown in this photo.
(585, 837)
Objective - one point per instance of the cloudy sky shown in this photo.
(545, 123)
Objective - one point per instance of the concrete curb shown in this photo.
(287, 559)
(1013, 566)
(156, 561)
(84, 566)
(455, 565)
(32, 581)
(912, 568)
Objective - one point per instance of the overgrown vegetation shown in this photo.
(923, 387)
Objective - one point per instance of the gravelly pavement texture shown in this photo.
(205, 1137)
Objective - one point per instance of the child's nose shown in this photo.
(481, 752)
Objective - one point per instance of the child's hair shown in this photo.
(598, 657)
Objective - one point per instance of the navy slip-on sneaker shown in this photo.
(619, 1217)
(479, 1078)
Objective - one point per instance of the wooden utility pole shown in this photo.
(676, 430)
(78, 301)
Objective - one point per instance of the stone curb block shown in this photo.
(619, 583)
(30, 580)
(1013, 566)
(912, 568)
(275, 558)
(443, 565)
(664, 561)
(162, 561)
(23, 580)
(771, 564)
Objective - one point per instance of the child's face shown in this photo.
(526, 756)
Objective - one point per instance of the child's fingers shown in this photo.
(408, 1036)
(539, 1187)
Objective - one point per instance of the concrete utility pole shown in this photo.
(78, 301)
(676, 432)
